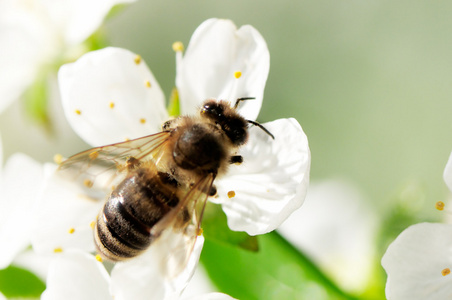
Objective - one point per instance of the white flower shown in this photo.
(34, 33)
(20, 183)
(110, 95)
(337, 230)
(78, 275)
(419, 261)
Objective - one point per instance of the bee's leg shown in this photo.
(236, 159)
(213, 191)
(167, 125)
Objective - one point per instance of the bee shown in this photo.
(162, 181)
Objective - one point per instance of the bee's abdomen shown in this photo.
(123, 228)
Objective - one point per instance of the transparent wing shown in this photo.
(184, 224)
(100, 169)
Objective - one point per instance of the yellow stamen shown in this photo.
(78, 112)
(178, 47)
(112, 105)
(237, 74)
(137, 59)
(88, 183)
(200, 231)
(231, 194)
(445, 272)
(142, 121)
(98, 258)
(439, 205)
(93, 155)
(147, 83)
(126, 139)
(71, 230)
(92, 224)
(58, 158)
(58, 250)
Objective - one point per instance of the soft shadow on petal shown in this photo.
(20, 186)
(64, 216)
(216, 51)
(76, 275)
(271, 182)
(110, 95)
(131, 280)
(415, 260)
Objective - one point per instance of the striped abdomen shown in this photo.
(123, 228)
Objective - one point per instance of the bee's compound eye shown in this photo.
(212, 109)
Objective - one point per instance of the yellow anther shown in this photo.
(58, 158)
(200, 231)
(78, 112)
(142, 121)
(445, 271)
(439, 205)
(58, 250)
(88, 183)
(93, 155)
(237, 74)
(92, 224)
(147, 83)
(111, 104)
(71, 230)
(98, 258)
(231, 194)
(137, 59)
(178, 47)
(126, 139)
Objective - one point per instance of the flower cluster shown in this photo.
(109, 96)
(419, 261)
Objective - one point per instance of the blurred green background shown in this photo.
(369, 81)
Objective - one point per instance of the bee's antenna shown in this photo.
(242, 99)
(261, 127)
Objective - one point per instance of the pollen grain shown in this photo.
(445, 271)
(137, 59)
(439, 205)
(178, 47)
(231, 194)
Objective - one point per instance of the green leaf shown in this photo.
(215, 228)
(276, 271)
(16, 282)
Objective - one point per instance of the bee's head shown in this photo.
(221, 113)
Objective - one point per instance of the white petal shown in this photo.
(106, 98)
(76, 275)
(20, 56)
(216, 51)
(414, 262)
(76, 20)
(271, 182)
(21, 182)
(62, 207)
(144, 277)
(36, 263)
(211, 296)
(447, 175)
(337, 230)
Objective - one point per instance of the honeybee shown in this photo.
(161, 181)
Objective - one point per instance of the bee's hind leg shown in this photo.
(236, 159)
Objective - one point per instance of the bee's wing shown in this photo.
(100, 168)
(183, 225)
